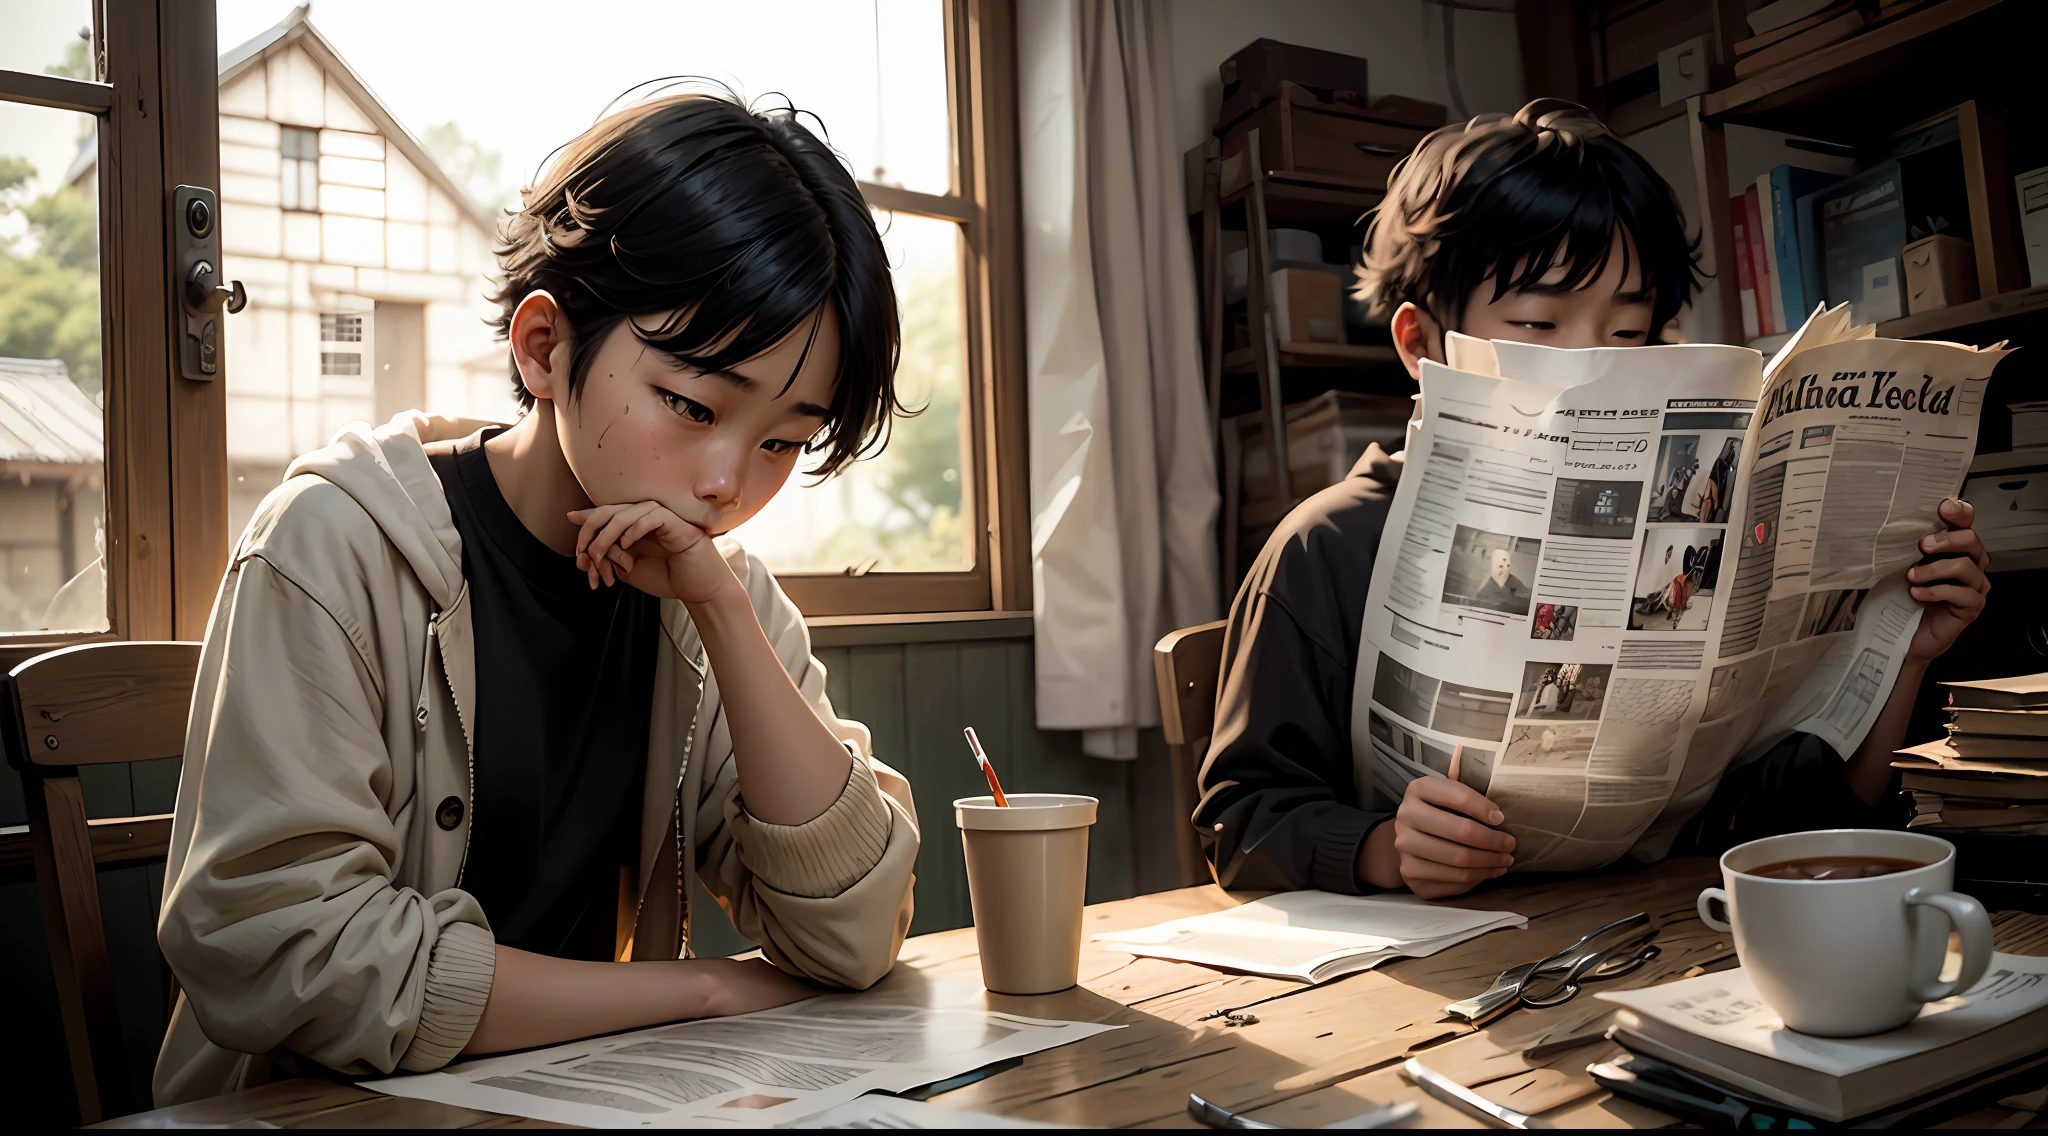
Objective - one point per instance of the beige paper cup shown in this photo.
(1027, 876)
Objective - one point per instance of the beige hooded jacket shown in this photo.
(313, 906)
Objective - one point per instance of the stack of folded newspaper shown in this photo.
(1991, 773)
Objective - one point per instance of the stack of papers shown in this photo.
(1311, 936)
(755, 1070)
(1719, 1027)
(1991, 773)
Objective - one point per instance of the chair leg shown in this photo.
(68, 886)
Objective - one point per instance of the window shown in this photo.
(301, 149)
(338, 327)
(409, 167)
(111, 487)
(341, 362)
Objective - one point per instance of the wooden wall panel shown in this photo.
(915, 699)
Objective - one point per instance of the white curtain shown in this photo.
(1123, 481)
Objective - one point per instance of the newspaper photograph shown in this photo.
(755, 1070)
(1610, 573)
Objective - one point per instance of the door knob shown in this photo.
(202, 294)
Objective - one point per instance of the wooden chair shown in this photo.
(95, 704)
(1187, 663)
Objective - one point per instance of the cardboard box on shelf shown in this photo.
(1307, 306)
(1325, 436)
(1941, 272)
(1253, 76)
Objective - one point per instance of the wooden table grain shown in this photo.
(1314, 1054)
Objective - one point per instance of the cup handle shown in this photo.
(1710, 895)
(1972, 924)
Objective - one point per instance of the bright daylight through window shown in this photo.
(361, 179)
(52, 458)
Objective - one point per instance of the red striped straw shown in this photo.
(987, 770)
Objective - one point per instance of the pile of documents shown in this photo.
(1311, 936)
(772, 1068)
(1717, 1026)
(1991, 773)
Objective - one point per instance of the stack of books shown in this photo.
(1990, 774)
(1717, 1028)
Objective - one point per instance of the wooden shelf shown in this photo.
(1859, 86)
(2026, 301)
(1242, 362)
(1314, 198)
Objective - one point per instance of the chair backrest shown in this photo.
(95, 704)
(1187, 663)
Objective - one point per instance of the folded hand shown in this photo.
(652, 548)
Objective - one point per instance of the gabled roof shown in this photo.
(297, 29)
(45, 418)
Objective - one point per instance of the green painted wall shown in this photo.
(915, 697)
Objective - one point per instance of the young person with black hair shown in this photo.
(1540, 227)
(478, 701)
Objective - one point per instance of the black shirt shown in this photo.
(564, 683)
(1280, 809)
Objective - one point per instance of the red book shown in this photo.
(1759, 266)
(1738, 218)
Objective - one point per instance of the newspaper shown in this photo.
(1609, 573)
(755, 1070)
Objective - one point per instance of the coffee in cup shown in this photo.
(1027, 879)
(1844, 932)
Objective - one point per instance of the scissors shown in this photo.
(1619, 948)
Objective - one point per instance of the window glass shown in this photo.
(46, 37)
(328, 214)
(903, 511)
(52, 425)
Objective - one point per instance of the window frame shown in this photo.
(981, 84)
(166, 478)
(165, 437)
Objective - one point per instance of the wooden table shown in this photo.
(1314, 1055)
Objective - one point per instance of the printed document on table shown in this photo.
(874, 1111)
(1311, 936)
(755, 1070)
(1608, 574)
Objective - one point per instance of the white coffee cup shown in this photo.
(1848, 957)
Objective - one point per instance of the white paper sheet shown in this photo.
(1311, 936)
(755, 1070)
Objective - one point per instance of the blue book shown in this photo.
(1798, 281)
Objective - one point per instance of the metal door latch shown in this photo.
(195, 224)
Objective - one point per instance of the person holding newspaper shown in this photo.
(1538, 227)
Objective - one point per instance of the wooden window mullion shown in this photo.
(197, 425)
(135, 299)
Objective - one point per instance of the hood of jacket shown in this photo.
(396, 485)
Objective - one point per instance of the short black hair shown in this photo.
(740, 222)
(1508, 198)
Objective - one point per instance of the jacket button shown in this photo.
(449, 814)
